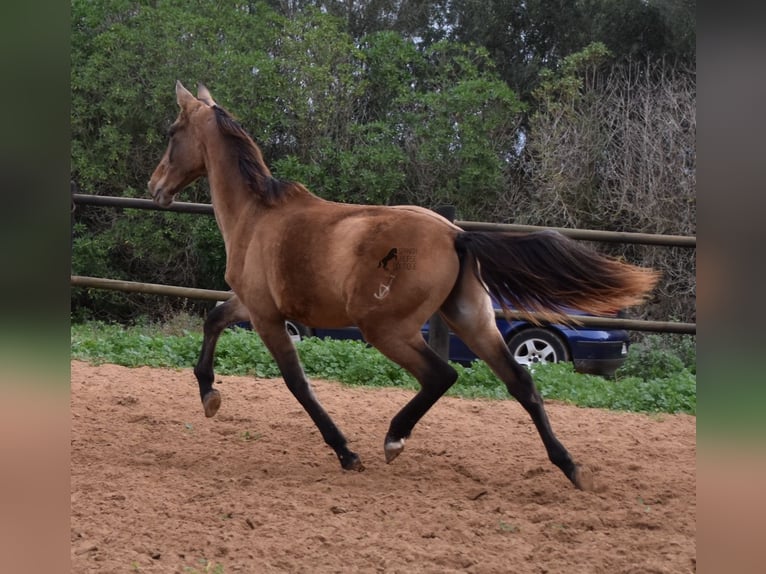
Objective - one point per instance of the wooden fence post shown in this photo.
(438, 332)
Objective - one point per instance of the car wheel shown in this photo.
(532, 346)
(297, 331)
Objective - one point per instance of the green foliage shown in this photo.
(155, 247)
(123, 54)
(383, 102)
(126, 57)
(133, 347)
(524, 36)
(560, 88)
(457, 125)
(351, 362)
(380, 120)
(657, 356)
(477, 381)
(670, 393)
(241, 352)
(205, 567)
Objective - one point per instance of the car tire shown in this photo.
(297, 331)
(535, 345)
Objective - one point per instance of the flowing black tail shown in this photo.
(545, 272)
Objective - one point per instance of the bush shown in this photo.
(658, 356)
(654, 380)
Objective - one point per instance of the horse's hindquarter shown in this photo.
(336, 264)
(394, 263)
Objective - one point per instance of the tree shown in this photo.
(525, 36)
(380, 120)
(614, 148)
(502, 108)
(126, 57)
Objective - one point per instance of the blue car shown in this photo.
(592, 350)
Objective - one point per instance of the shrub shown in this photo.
(653, 379)
(658, 356)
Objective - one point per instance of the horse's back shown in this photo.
(337, 264)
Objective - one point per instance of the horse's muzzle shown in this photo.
(159, 195)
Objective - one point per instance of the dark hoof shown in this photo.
(211, 403)
(351, 461)
(582, 478)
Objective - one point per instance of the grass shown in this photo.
(207, 567)
(655, 379)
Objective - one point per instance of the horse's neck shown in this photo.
(232, 202)
(238, 209)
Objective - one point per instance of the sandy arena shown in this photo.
(157, 487)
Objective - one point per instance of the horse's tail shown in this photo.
(546, 273)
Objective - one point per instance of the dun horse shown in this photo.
(291, 254)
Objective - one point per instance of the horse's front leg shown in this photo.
(228, 313)
(283, 350)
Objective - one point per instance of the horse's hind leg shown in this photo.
(470, 315)
(433, 373)
(281, 347)
(519, 383)
(228, 313)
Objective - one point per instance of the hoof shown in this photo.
(351, 461)
(393, 449)
(582, 478)
(211, 403)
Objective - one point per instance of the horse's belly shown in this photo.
(315, 309)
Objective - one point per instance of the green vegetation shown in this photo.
(578, 114)
(206, 567)
(657, 378)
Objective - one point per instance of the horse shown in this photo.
(293, 255)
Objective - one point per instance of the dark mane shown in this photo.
(251, 165)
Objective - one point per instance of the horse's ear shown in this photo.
(203, 94)
(183, 96)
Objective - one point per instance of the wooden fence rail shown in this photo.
(585, 234)
(212, 295)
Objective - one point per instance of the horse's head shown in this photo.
(183, 161)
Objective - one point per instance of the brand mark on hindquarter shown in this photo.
(384, 289)
(392, 254)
